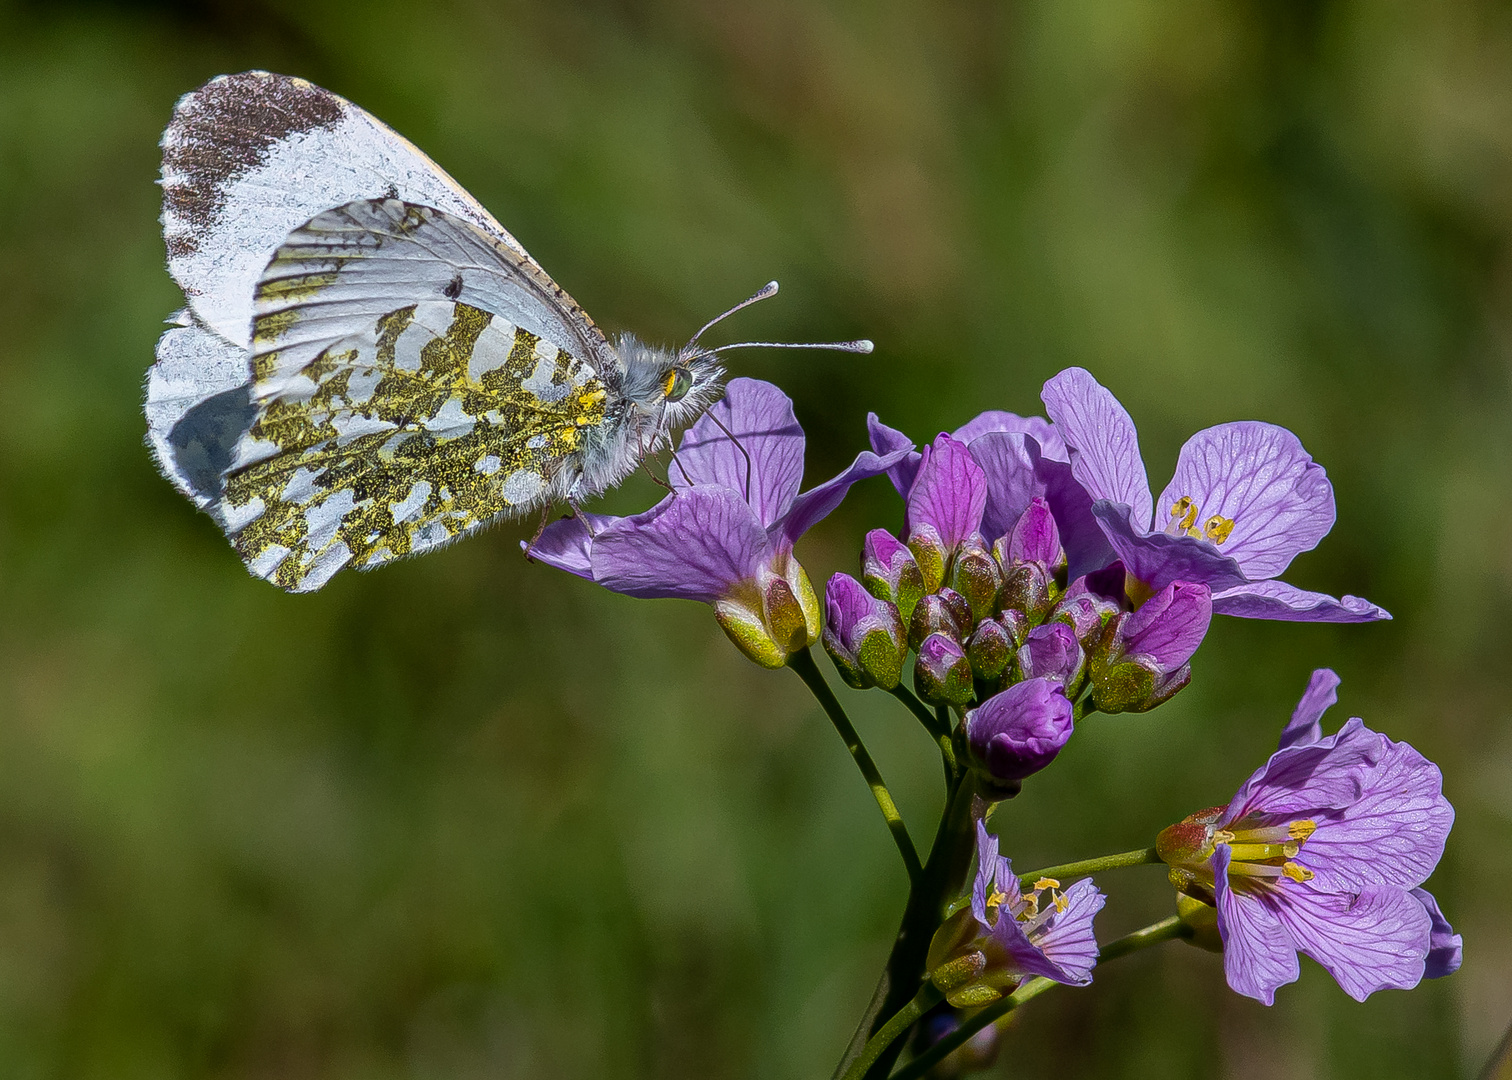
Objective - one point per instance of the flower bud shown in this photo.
(771, 617)
(942, 674)
(1018, 732)
(930, 553)
(1027, 587)
(944, 612)
(863, 635)
(989, 649)
(1035, 539)
(1052, 652)
(1141, 658)
(976, 576)
(890, 573)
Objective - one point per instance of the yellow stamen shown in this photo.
(997, 898)
(1218, 528)
(1301, 830)
(1046, 883)
(1061, 903)
(1222, 836)
(1184, 511)
(1260, 852)
(1296, 871)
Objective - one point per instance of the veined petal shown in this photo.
(949, 492)
(761, 417)
(817, 503)
(1103, 442)
(1258, 955)
(1393, 834)
(1259, 477)
(1008, 461)
(1305, 727)
(1376, 940)
(1278, 600)
(1158, 559)
(694, 545)
(1300, 781)
(886, 440)
(1445, 947)
(1069, 942)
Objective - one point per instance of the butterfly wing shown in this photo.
(397, 399)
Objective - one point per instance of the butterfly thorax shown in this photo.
(655, 392)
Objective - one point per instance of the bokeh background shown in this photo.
(469, 817)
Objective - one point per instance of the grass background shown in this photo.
(469, 817)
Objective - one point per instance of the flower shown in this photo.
(1008, 935)
(1019, 458)
(1322, 851)
(1245, 500)
(1018, 732)
(725, 535)
(942, 674)
(863, 635)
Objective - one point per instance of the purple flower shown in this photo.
(1051, 651)
(863, 635)
(1246, 499)
(725, 536)
(1018, 732)
(942, 674)
(1322, 851)
(1008, 935)
(1019, 458)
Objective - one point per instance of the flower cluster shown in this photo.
(1034, 581)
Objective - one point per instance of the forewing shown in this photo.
(248, 158)
(423, 423)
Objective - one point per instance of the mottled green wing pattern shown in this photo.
(431, 421)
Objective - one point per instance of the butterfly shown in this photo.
(368, 365)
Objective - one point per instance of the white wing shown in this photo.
(249, 158)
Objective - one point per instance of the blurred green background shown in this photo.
(470, 817)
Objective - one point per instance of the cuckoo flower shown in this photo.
(1322, 851)
(1020, 457)
(725, 535)
(1008, 935)
(1017, 733)
(863, 635)
(1245, 500)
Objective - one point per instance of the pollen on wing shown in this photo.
(406, 441)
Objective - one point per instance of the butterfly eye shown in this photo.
(678, 383)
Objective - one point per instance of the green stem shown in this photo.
(900, 1022)
(944, 873)
(1095, 866)
(808, 671)
(940, 733)
(1165, 930)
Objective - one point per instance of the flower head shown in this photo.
(1322, 851)
(725, 535)
(1008, 935)
(1246, 499)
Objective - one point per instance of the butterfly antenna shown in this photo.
(766, 292)
(862, 346)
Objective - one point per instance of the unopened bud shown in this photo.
(1018, 732)
(989, 649)
(889, 572)
(863, 635)
(930, 553)
(771, 617)
(1141, 658)
(1027, 587)
(1034, 538)
(944, 612)
(975, 574)
(1052, 652)
(942, 674)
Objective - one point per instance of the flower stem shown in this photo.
(949, 859)
(899, 1023)
(939, 732)
(1165, 930)
(1094, 866)
(808, 671)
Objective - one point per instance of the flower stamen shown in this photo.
(1185, 514)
